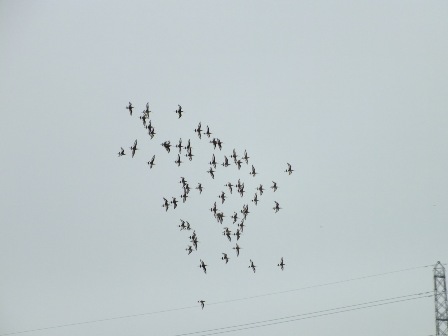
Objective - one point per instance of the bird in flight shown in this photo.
(213, 161)
(252, 265)
(130, 107)
(260, 189)
(166, 204)
(276, 207)
(134, 148)
(203, 265)
(281, 264)
(121, 153)
(167, 145)
(245, 157)
(179, 111)
(225, 257)
(200, 188)
(211, 172)
(237, 248)
(253, 172)
(208, 133)
(198, 131)
(255, 199)
(151, 162)
(202, 303)
(274, 186)
(289, 170)
(178, 161)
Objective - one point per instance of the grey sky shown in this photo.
(353, 94)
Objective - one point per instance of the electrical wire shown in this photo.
(303, 316)
(211, 303)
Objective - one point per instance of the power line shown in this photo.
(214, 303)
(303, 316)
(319, 285)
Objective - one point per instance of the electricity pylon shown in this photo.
(441, 304)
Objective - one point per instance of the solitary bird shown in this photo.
(281, 264)
(199, 187)
(202, 303)
(121, 153)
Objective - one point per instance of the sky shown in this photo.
(353, 94)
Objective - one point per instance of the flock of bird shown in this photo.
(238, 187)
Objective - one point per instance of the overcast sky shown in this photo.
(354, 94)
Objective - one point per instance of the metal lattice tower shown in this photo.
(441, 304)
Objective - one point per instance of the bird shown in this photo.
(252, 265)
(130, 107)
(179, 145)
(213, 161)
(234, 217)
(229, 185)
(174, 202)
(199, 187)
(202, 303)
(134, 148)
(199, 130)
(179, 111)
(253, 173)
(237, 234)
(227, 233)
(203, 265)
(238, 163)
(289, 170)
(274, 186)
(189, 155)
(151, 162)
(178, 161)
(281, 264)
(211, 171)
(219, 143)
(276, 207)
(208, 133)
(245, 157)
(225, 257)
(166, 204)
(260, 189)
(237, 248)
(189, 249)
(226, 162)
(234, 156)
(222, 197)
(167, 145)
(121, 153)
(255, 199)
